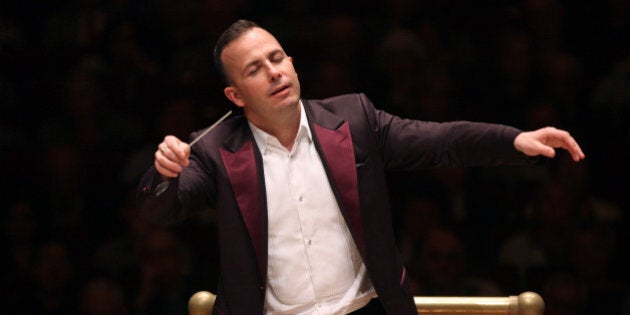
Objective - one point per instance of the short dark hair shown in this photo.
(233, 32)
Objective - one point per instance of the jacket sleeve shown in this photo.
(158, 203)
(413, 144)
(166, 203)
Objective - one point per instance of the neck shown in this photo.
(285, 131)
(283, 125)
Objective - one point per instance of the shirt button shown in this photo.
(300, 199)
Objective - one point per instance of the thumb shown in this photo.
(182, 151)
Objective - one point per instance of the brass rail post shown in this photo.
(527, 303)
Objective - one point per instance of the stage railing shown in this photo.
(528, 303)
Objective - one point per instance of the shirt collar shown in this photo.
(264, 140)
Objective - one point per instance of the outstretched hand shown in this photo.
(544, 141)
(171, 156)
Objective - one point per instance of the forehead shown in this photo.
(253, 44)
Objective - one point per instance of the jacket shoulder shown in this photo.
(352, 98)
(346, 104)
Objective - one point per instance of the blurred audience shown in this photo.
(543, 244)
(565, 295)
(89, 87)
(163, 280)
(439, 267)
(593, 257)
(52, 286)
(20, 237)
(100, 296)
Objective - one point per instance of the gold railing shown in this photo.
(528, 303)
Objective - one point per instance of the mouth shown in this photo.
(280, 89)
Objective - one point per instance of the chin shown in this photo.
(291, 100)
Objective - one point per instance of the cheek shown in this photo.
(254, 89)
(292, 71)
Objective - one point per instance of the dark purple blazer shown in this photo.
(357, 145)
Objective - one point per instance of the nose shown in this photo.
(273, 72)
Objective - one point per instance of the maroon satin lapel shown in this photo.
(241, 168)
(336, 145)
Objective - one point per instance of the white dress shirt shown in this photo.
(314, 266)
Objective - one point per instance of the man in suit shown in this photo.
(304, 222)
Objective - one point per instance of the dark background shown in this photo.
(88, 88)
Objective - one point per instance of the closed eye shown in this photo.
(254, 70)
(277, 56)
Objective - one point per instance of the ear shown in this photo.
(233, 95)
(292, 65)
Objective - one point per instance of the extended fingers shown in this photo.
(574, 148)
(562, 139)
